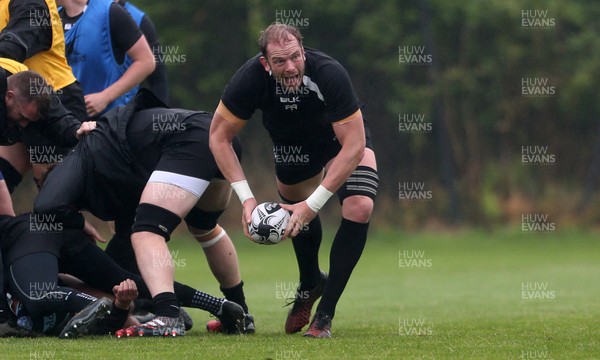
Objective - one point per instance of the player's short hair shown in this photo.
(277, 32)
(30, 86)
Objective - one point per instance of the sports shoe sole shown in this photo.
(149, 331)
(79, 324)
(320, 335)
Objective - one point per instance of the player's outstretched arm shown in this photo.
(222, 133)
(221, 137)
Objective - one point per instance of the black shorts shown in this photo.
(297, 162)
(183, 151)
(190, 155)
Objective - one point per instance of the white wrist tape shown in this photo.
(242, 190)
(318, 198)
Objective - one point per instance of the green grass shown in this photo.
(466, 299)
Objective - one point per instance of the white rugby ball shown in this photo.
(268, 224)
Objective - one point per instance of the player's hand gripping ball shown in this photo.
(268, 224)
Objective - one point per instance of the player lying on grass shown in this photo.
(50, 307)
(35, 250)
(146, 167)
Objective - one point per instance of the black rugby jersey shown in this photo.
(326, 96)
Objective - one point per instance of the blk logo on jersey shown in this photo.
(291, 102)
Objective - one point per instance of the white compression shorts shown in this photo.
(190, 184)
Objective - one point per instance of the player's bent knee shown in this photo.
(358, 194)
(208, 238)
(156, 220)
(200, 219)
(357, 208)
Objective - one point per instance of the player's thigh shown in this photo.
(368, 159)
(182, 175)
(65, 184)
(169, 196)
(216, 196)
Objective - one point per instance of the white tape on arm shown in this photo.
(242, 189)
(318, 198)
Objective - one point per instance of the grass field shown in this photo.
(459, 295)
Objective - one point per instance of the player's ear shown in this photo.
(265, 63)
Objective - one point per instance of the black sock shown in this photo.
(165, 304)
(190, 297)
(236, 294)
(306, 247)
(346, 249)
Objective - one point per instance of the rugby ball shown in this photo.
(268, 224)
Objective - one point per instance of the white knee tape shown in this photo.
(211, 242)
